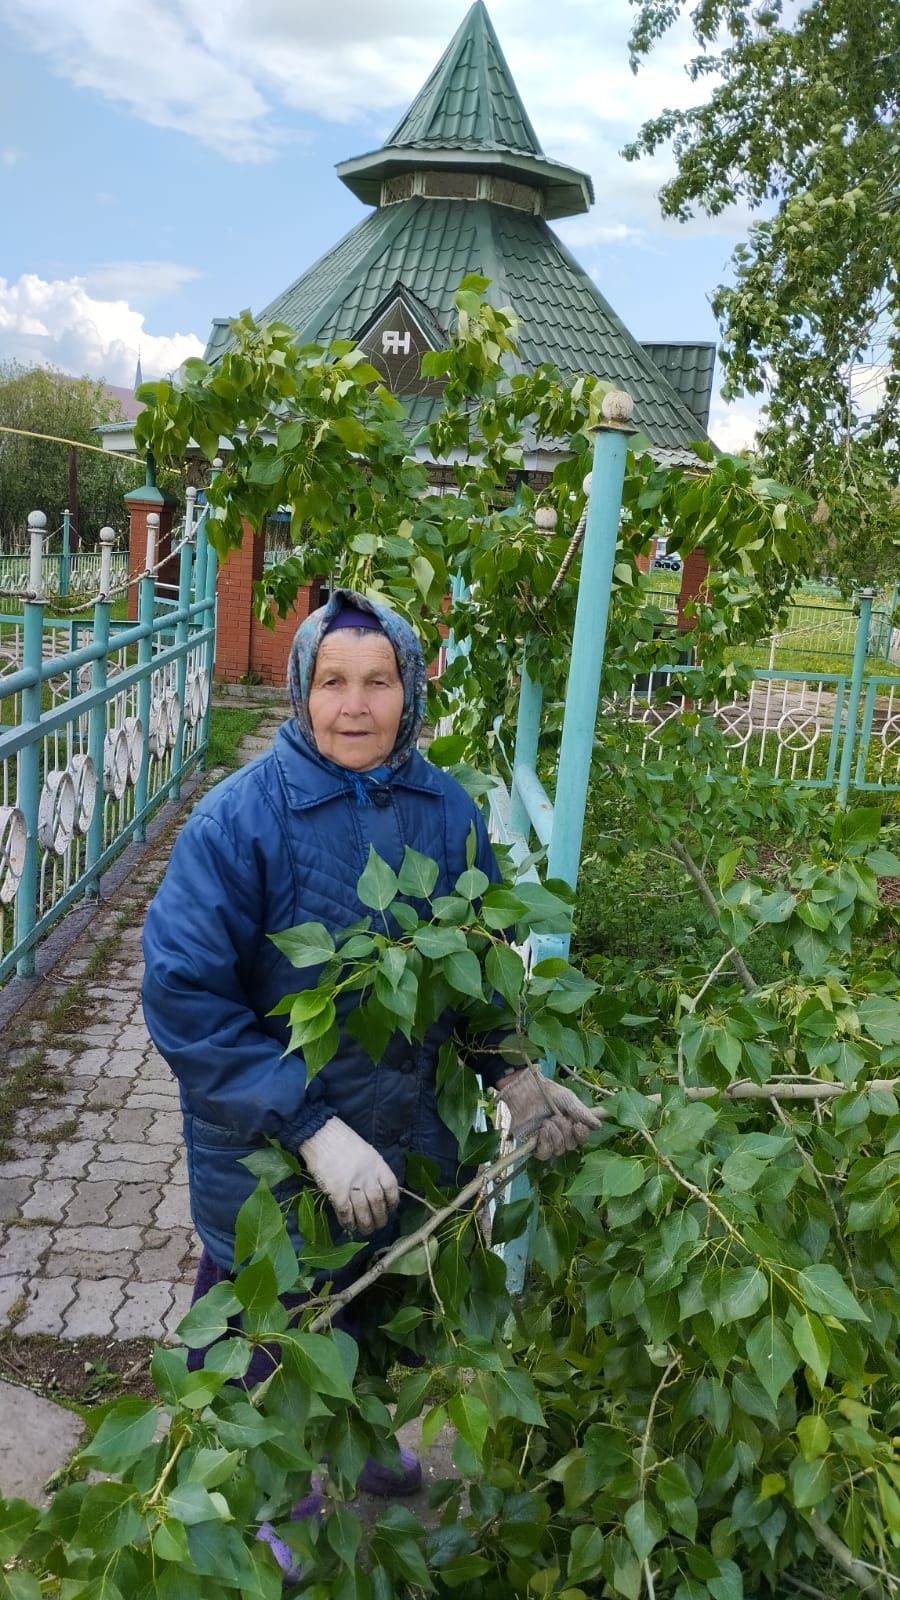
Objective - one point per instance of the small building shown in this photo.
(461, 185)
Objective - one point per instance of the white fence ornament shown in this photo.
(116, 760)
(134, 730)
(172, 707)
(84, 778)
(13, 844)
(56, 812)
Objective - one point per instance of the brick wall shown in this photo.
(269, 649)
(138, 511)
(235, 601)
(694, 574)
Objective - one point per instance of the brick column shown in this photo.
(140, 502)
(234, 590)
(694, 574)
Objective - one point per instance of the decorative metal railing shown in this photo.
(99, 723)
(79, 574)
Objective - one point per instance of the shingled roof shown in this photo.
(462, 185)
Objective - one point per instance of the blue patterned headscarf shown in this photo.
(410, 664)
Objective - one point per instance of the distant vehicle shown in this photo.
(666, 563)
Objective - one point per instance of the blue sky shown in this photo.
(161, 164)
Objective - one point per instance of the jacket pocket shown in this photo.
(220, 1185)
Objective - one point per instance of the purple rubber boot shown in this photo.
(384, 1482)
(312, 1505)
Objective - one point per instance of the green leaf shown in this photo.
(256, 1287)
(880, 1017)
(418, 874)
(813, 1344)
(123, 1436)
(307, 945)
(208, 1318)
(318, 1357)
(604, 1173)
(742, 1292)
(471, 1418)
(462, 971)
(447, 749)
(855, 830)
(770, 1355)
(472, 883)
(824, 1290)
(814, 1435)
(436, 942)
(584, 1554)
(110, 1517)
(306, 1031)
(344, 1532)
(378, 884)
(191, 1503)
(810, 1482)
(259, 1221)
(727, 866)
(17, 1518)
(505, 971)
(644, 1527)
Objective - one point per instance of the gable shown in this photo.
(396, 338)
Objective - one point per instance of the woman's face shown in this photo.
(356, 699)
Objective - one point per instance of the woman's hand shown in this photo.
(358, 1182)
(538, 1105)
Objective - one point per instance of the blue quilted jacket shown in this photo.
(281, 842)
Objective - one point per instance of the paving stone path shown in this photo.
(95, 1230)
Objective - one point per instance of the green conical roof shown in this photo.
(470, 100)
(427, 246)
(469, 118)
(472, 193)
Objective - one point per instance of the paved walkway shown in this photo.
(95, 1230)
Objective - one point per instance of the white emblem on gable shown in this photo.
(395, 343)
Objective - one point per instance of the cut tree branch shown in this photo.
(472, 1191)
(709, 900)
(842, 1557)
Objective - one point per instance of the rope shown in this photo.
(79, 444)
(121, 588)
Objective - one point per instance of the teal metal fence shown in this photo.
(100, 721)
(63, 572)
(835, 730)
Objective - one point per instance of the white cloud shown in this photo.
(733, 427)
(10, 157)
(139, 280)
(226, 74)
(59, 323)
(868, 386)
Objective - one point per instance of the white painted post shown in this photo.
(152, 540)
(37, 528)
(107, 540)
(190, 511)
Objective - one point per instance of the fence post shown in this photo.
(209, 621)
(589, 637)
(579, 719)
(182, 630)
(860, 646)
(528, 732)
(146, 600)
(65, 559)
(97, 728)
(29, 764)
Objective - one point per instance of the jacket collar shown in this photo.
(309, 782)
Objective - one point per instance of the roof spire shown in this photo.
(468, 117)
(470, 98)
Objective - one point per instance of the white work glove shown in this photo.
(360, 1185)
(538, 1105)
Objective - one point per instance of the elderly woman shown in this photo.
(285, 841)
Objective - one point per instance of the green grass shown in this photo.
(228, 725)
